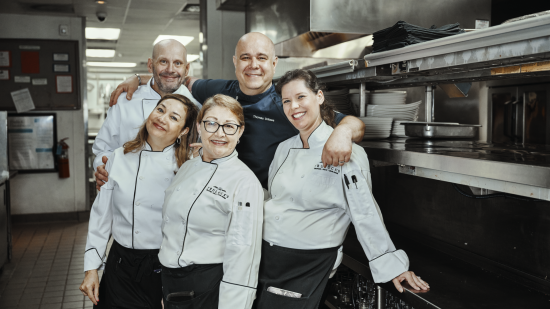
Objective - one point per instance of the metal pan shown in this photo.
(440, 130)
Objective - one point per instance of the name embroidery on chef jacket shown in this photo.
(218, 191)
(263, 118)
(328, 168)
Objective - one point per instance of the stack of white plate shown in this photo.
(339, 101)
(398, 130)
(387, 97)
(404, 112)
(377, 128)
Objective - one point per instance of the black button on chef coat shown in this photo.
(266, 124)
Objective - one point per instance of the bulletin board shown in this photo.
(32, 142)
(48, 68)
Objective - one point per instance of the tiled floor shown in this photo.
(47, 267)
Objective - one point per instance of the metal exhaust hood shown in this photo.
(299, 28)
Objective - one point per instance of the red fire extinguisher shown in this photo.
(63, 159)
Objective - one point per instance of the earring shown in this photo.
(238, 141)
(178, 141)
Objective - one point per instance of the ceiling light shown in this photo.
(191, 57)
(100, 2)
(181, 38)
(100, 53)
(192, 8)
(112, 64)
(102, 33)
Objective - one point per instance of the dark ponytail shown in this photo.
(313, 84)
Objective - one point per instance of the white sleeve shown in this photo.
(241, 261)
(108, 138)
(186, 93)
(385, 261)
(99, 227)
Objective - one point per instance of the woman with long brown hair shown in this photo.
(311, 206)
(129, 207)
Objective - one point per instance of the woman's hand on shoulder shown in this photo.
(414, 281)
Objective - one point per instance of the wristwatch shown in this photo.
(139, 79)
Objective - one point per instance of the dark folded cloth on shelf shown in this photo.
(403, 34)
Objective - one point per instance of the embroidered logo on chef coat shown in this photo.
(328, 168)
(217, 191)
(263, 118)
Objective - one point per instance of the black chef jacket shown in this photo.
(266, 124)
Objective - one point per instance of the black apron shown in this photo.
(204, 280)
(301, 271)
(131, 279)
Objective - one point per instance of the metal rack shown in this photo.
(516, 50)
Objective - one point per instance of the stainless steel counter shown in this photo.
(529, 165)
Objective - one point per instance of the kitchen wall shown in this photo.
(221, 32)
(46, 192)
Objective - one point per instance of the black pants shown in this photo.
(301, 271)
(131, 279)
(204, 280)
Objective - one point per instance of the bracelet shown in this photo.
(139, 80)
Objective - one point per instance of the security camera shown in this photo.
(101, 16)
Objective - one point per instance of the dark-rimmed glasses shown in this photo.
(213, 127)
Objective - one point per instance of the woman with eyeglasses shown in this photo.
(213, 213)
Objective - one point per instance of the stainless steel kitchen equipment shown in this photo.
(440, 130)
(4, 177)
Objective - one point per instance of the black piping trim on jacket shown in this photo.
(134, 200)
(95, 252)
(154, 150)
(269, 185)
(244, 286)
(382, 255)
(234, 149)
(310, 136)
(190, 208)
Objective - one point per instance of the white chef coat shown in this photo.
(311, 207)
(126, 117)
(129, 205)
(213, 214)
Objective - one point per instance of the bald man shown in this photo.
(169, 67)
(266, 123)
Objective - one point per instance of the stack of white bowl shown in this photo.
(404, 112)
(398, 130)
(377, 128)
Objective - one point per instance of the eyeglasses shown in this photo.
(213, 127)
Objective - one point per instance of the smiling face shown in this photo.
(302, 107)
(219, 144)
(166, 122)
(168, 65)
(255, 63)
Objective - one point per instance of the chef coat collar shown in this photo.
(222, 159)
(318, 137)
(149, 148)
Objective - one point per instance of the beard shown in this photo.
(164, 87)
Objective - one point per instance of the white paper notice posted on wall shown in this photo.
(31, 141)
(64, 83)
(22, 100)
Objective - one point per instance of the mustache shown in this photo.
(165, 74)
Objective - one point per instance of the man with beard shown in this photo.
(169, 68)
(266, 123)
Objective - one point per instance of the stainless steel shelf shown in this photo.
(529, 165)
(515, 50)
